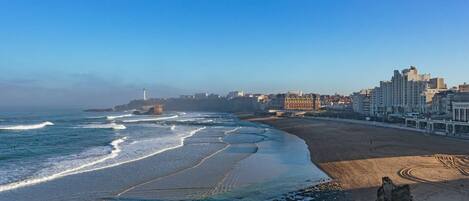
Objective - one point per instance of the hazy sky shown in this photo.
(99, 53)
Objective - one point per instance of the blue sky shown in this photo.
(98, 53)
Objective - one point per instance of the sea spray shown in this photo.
(26, 126)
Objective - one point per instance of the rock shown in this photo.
(391, 192)
(99, 110)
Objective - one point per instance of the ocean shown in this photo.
(42, 151)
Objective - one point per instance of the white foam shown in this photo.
(149, 119)
(106, 126)
(190, 119)
(173, 127)
(181, 143)
(26, 126)
(232, 130)
(114, 153)
(96, 117)
(110, 117)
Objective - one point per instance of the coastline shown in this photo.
(218, 163)
(357, 156)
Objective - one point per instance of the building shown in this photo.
(316, 101)
(361, 101)
(295, 102)
(437, 83)
(301, 102)
(464, 88)
(335, 102)
(235, 94)
(406, 92)
(460, 107)
(442, 104)
(213, 96)
(201, 95)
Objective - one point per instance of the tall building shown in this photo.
(361, 101)
(407, 91)
(144, 94)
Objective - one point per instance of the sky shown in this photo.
(101, 53)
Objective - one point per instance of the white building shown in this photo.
(460, 107)
(235, 94)
(361, 101)
(461, 111)
(406, 92)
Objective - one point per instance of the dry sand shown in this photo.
(358, 156)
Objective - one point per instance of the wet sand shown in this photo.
(358, 156)
(228, 163)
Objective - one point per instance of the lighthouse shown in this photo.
(144, 94)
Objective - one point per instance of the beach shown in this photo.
(177, 156)
(357, 157)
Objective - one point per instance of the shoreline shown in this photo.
(357, 155)
(76, 171)
(108, 182)
(211, 162)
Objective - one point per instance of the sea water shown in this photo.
(38, 147)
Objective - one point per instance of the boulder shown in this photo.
(391, 192)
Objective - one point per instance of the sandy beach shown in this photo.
(358, 156)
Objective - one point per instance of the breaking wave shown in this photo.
(27, 126)
(91, 166)
(149, 119)
(106, 126)
(110, 117)
(114, 153)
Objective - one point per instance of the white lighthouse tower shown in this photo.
(144, 94)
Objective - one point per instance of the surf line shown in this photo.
(188, 168)
(114, 153)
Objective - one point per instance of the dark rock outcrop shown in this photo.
(99, 110)
(156, 110)
(390, 192)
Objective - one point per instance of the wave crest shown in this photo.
(149, 119)
(106, 126)
(111, 117)
(27, 126)
(114, 153)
